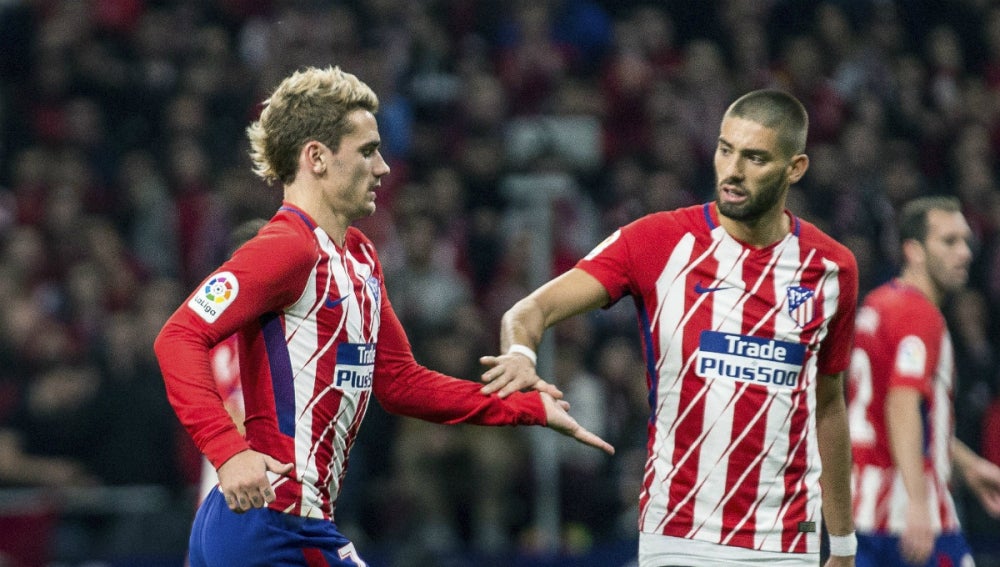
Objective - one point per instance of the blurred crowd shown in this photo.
(124, 168)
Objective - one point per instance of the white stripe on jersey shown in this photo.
(670, 288)
(941, 418)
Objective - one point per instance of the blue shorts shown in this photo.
(263, 537)
(950, 550)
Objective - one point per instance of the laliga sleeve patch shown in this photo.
(911, 356)
(214, 296)
(600, 247)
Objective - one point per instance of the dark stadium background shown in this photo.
(123, 168)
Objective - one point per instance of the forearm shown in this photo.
(833, 438)
(963, 457)
(569, 294)
(191, 391)
(415, 391)
(522, 324)
(405, 387)
(906, 440)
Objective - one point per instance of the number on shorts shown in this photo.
(348, 552)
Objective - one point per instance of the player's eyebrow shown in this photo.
(749, 152)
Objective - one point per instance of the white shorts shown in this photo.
(660, 550)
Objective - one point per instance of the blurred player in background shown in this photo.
(317, 339)
(746, 314)
(900, 395)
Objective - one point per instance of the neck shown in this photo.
(311, 203)
(760, 232)
(922, 283)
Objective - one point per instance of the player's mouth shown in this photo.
(732, 194)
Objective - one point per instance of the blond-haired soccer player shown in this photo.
(317, 340)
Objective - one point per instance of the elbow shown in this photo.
(161, 345)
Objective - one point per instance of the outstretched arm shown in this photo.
(569, 294)
(404, 387)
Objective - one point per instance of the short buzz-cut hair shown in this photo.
(779, 111)
(310, 104)
(913, 215)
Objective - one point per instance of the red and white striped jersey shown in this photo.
(901, 341)
(733, 340)
(317, 338)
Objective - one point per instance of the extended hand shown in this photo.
(559, 419)
(983, 477)
(511, 373)
(243, 480)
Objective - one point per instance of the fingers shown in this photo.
(991, 502)
(276, 466)
(244, 500)
(558, 419)
(504, 383)
(916, 550)
(588, 438)
(244, 481)
(550, 389)
(509, 374)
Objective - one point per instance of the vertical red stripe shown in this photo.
(795, 487)
(315, 558)
(687, 452)
(742, 462)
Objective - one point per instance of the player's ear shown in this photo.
(913, 252)
(797, 168)
(313, 158)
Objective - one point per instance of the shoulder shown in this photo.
(284, 240)
(903, 300)
(812, 237)
(894, 306)
(676, 221)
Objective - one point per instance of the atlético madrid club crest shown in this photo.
(801, 305)
(215, 296)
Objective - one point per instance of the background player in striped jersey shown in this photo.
(317, 337)
(746, 313)
(900, 402)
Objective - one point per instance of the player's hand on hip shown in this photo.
(511, 373)
(243, 480)
(917, 540)
(558, 418)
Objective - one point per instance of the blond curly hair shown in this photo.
(310, 104)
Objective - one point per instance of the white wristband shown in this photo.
(526, 351)
(843, 545)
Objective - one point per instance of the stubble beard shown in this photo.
(755, 207)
